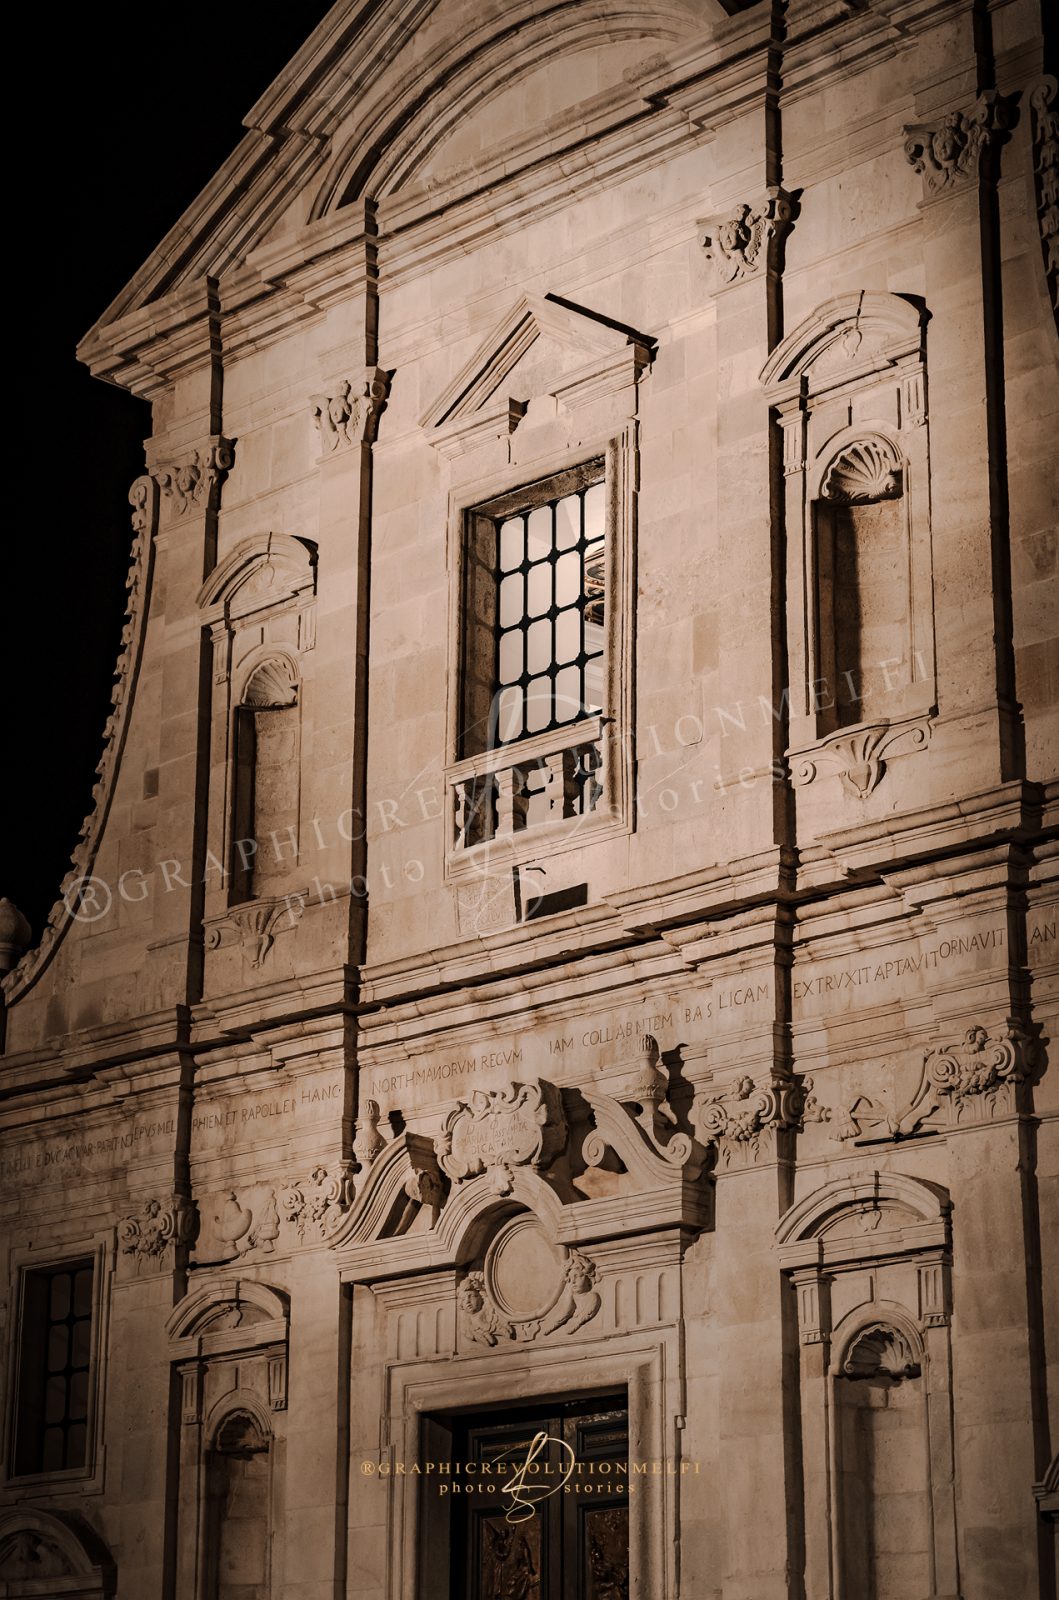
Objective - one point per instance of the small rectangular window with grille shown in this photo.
(534, 617)
(54, 1369)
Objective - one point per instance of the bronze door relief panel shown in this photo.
(538, 1501)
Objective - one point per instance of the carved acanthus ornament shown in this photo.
(145, 1236)
(1042, 97)
(351, 414)
(949, 152)
(977, 1077)
(742, 240)
(77, 885)
(188, 483)
(742, 1120)
(859, 755)
(317, 1204)
(500, 1129)
(972, 1080)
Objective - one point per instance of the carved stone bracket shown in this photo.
(499, 1129)
(858, 755)
(577, 1302)
(255, 925)
(187, 484)
(636, 1121)
(741, 1121)
(146, 1237)
(317, 1204)
(948, 153)
(743, 240)
(1042, 97)
(351, 414)
(971, 1081)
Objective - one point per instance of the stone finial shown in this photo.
(15, 934)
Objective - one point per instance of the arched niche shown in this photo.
(52, 1553)
(868, 1258)
(232, 1439)
(882, 1465)
(266, 782)
(259, 606)
(848, 389)
(239, 1504)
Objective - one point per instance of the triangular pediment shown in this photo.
(544, 346)
(391, 117)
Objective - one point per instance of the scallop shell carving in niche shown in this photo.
(271, 684)
(866, 470)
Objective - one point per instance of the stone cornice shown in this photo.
(157, 327)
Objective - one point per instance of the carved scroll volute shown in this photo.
(742, 1120)
(500, 1129)
(1044, 106)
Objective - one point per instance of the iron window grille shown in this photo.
(534, 654)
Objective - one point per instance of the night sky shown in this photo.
(152, 104)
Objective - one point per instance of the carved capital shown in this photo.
(948, 153)
(499, 1129)
(351, 414)
(977, 1077)
(858, 755)
(255, 925)
(743, 240)
(150, 1237)
(189, 483)
(1043, 97)
(317, 1203)
(742, 1120)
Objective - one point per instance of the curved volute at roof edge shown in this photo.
(360, 114)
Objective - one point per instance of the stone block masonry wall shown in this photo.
(713, 1071)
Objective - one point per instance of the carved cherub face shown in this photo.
(947, 143)
(733, 235)
(471, 1298)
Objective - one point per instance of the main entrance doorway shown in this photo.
(557, 1530)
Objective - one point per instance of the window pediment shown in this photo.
(543, 347)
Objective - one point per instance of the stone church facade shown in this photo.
(565, 938)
